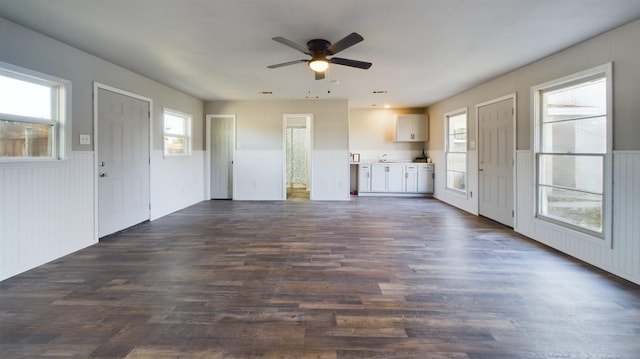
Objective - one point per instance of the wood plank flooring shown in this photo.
(369, 278)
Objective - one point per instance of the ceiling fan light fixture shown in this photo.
(319, 65)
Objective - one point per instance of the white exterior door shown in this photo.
(222, 143)
(496, 150)
(123, 161)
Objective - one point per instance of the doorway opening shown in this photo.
(297, 145)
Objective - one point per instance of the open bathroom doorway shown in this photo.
(297, 145)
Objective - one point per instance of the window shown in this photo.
(456, 150)
(177, 133)
(31, 114)
(573, 127)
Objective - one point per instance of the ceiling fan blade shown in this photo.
(319, 75)
(348, 41)
(352, 63)
(291, 44)
(286, 64)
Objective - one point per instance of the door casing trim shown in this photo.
(100, 86)
(513, 97)
(207, 167)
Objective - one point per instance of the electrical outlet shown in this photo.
(85, 139)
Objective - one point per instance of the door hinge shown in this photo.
(149, 205)
(513, 214)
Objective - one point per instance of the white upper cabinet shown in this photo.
(411, 128)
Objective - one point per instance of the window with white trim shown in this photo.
(456, 150)
(573, 156)
(32, 111)
(177, 133)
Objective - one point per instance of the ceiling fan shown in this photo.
(319, 49)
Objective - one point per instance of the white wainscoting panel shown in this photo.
(626, 213)
(46, 211)
(330, 175)
(622, 257)
(258, 175)
(467, 202)
(176, 182)
(525, 184)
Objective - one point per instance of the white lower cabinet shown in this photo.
(408, 178)
(425, 178)
(411, 178)
(387, 177)
(364, 178)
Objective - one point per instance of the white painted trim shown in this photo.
(607, 70)
(513, 97)
(207, 165)
(309, 124)
(63, 135)
(463, 194)
(188, 131)
(96, 87)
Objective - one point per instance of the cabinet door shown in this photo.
(425, 179)
(411, 128)
(411, 178)
(395, 178)
(364, 178)
(379, 178)
(404, 128)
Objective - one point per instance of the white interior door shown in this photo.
(123, 161)
(222, 142)
(496, 151)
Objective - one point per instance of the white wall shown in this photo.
(259, 158)
(372, 133)
(620, 46)
(47, 208)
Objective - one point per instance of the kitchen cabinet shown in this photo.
(425, 177)
(411, 128)
(387, 177)
(398, 179)
(364, 178)
(411, 178)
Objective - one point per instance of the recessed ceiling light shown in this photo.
(379, 91)
(266, 92)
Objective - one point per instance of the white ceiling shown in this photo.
(422, 50)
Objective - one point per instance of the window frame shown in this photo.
(461, 111)
(188, 119)
(604, 71)
(60, 112)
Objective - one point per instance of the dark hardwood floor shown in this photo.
(370, 278)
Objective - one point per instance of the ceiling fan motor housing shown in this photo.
(318, 47)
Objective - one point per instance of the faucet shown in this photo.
(384, 158)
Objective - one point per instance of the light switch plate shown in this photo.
(85, 139)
